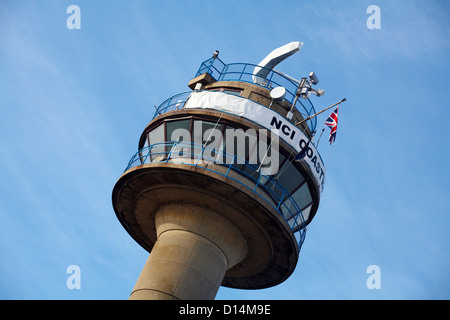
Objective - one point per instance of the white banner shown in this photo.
(265, 117)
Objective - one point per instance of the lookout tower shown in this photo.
(216, 191)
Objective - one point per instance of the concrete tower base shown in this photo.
(194, 249)
(198, 225)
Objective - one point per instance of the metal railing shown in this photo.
(245, 72)
(177, 102)
(231, 167)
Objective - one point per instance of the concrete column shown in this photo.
(194, 248)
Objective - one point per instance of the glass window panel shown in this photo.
(156, 137)
(252, 171)
(293, 221)
(289, 177)
(241, 143)
(269, 155)
(198, 130)
(300, 199)
(144, 151)
(290, 211)
(270, 181)
(209, 136)
(184, 127)
(306, 212)
(206, 133)
(179, 131)
(302, 196)
(224, 144)
(274, 190)
(233, 92)
(212, 140)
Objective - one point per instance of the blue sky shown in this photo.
(73, 104)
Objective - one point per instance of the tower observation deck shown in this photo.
(214, 192)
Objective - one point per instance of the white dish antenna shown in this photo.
(275, 57)
(278, 93)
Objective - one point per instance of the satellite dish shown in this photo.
(275, 57)
(278, 93)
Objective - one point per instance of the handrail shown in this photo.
(177, 102)
(264, 185)
(245, 72)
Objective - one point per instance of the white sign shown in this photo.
(265, 117)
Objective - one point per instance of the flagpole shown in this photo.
(316, 114)
(323, 129)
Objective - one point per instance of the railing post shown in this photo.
(242, 72)
(229, 166)
(270, 79)
(225, 67)
(170, 152)
(224, 71)
(281, 201)
(210, 65)
(201, 155)
(146, 157)
(257, 182)
(129, 163)
(295, 216)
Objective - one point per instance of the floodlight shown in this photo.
(198, 86)
(290, 115)
(313, 78)
(306, 95)
(317, 92)
(320, 92)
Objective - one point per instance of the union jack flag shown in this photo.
(332, 122)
